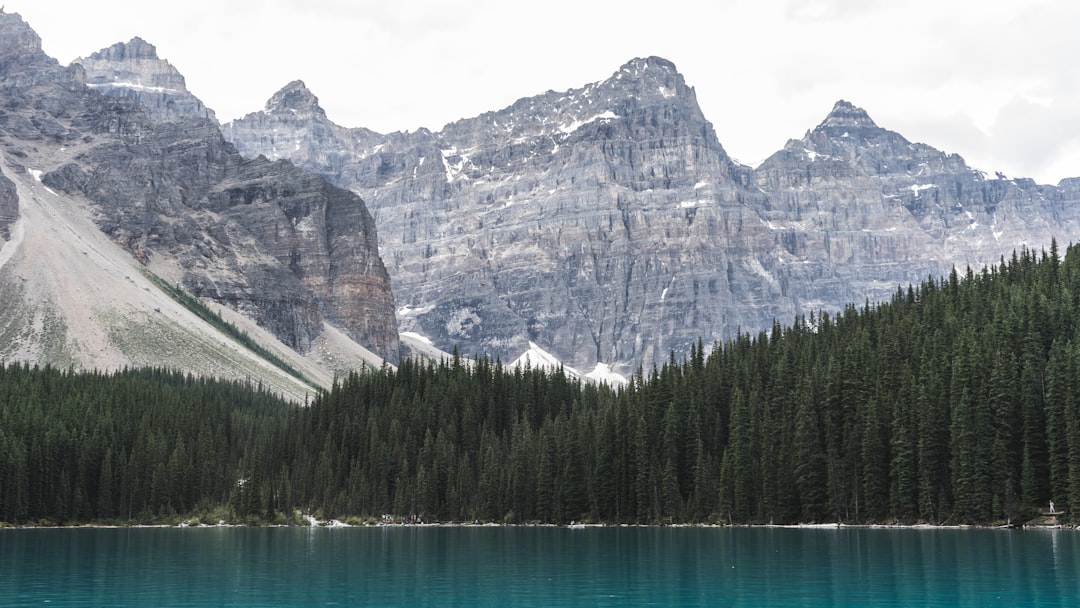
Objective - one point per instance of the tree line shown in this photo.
(954, 402)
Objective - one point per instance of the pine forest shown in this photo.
(956, 402)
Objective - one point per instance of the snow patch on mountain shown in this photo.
(415, 336)
(577, 124)
(410, 311)
(134, 86)
(537, 357)
(602, 373)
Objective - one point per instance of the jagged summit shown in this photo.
(849, 143)
(846, 115)
(295, 97)
(847, 129)
(135, 49)
(638, 83)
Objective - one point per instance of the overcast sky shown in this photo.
(996, 82)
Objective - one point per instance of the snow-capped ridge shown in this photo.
(650, 78)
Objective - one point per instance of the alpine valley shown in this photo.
(603, 227)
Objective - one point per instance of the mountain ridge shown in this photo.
(845, 214)
(605, 225)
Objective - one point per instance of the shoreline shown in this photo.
(334, 523)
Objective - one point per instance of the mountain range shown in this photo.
(607, 225)
(603, 227)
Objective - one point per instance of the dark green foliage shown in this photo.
(131, 446)
(954, 402)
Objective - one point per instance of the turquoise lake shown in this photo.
(490, 566)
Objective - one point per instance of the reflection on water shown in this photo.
(487, 566)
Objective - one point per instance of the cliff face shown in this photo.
(274, 242)
(608, 225)
(322, 247)
(579, 219)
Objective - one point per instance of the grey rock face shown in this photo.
(607, 223)
(564, 219)
(272, 241)
(133, 70)
(321, 237)
(9, 206)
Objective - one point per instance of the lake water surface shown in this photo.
(489, 566)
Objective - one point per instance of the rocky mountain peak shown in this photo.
(295, 98)
(847, 144)
(134, 64)
(848, 115)
(133, 70)
(849, 135)
(136, 49)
